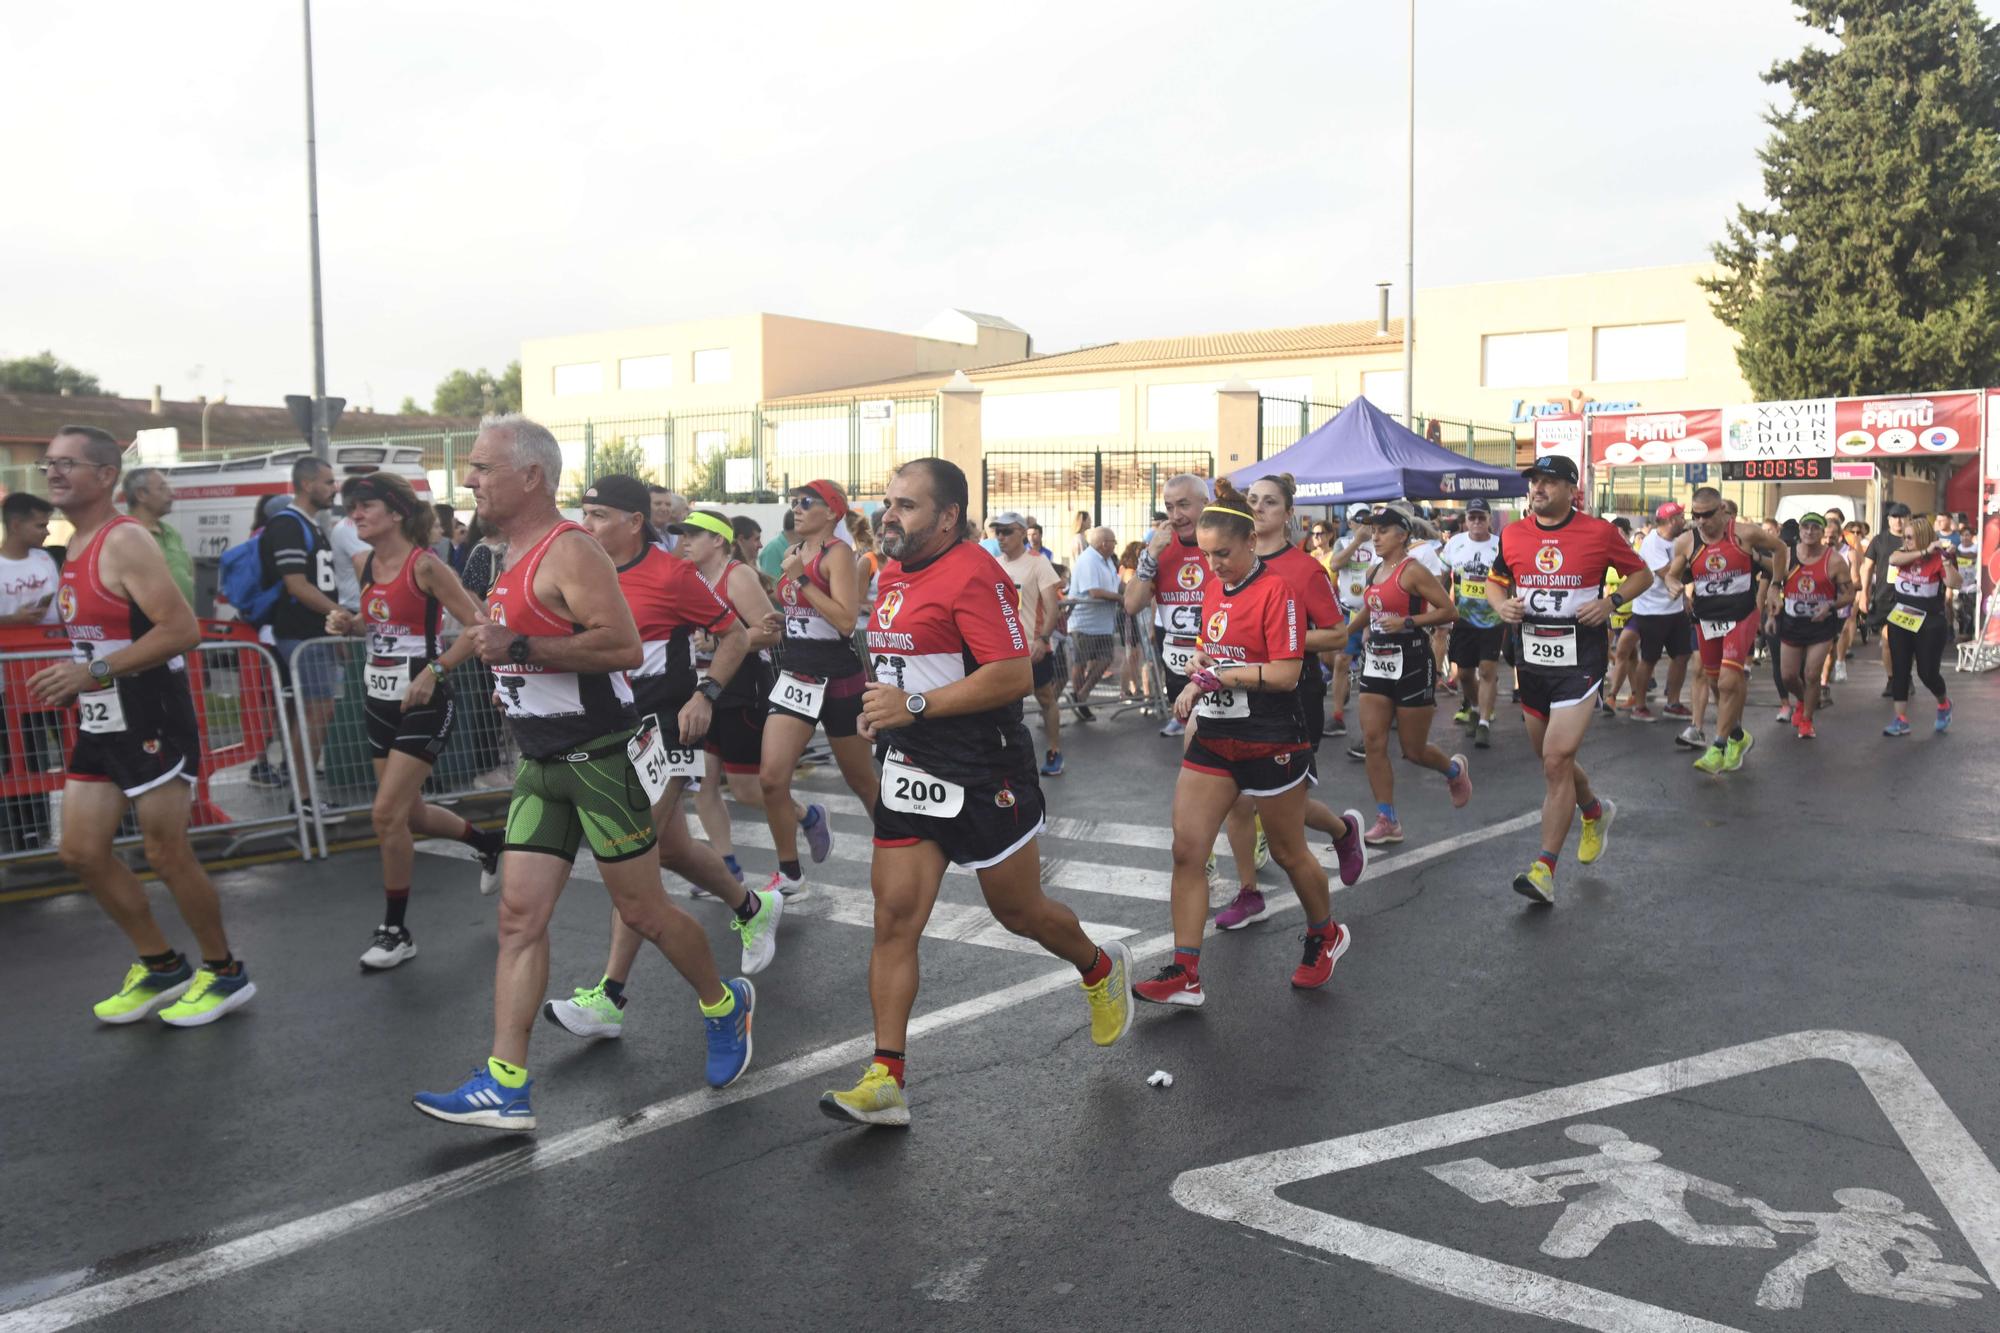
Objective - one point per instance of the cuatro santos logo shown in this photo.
(1217, 624)
(496, 611)
(1549, 559)
(1190, 575)
(1715, 562)
(66, 603)
(1807, 585)
(788, 592)
(378, 609)
(886, 609)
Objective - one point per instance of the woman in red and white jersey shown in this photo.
(1918, 626)
(409, 708)
(819, 676)
(1403, 602)
(1813, 606)
(1251, 741)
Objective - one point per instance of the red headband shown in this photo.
(827, 491)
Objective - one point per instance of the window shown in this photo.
(1520, 360)
(1027, 416)
(713, 366)
(584, 377)
(1384, 388)
(1640, 352)
(646, 372)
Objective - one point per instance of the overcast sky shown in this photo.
(493, 171)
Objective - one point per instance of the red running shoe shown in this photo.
(1172, 984)
(1323, 950)
(1805, 726)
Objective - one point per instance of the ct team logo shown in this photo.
(1217, 625)
(1190, 575)
(1549, 559)
(886, 609)
(1004, 799)
(1715, 562)
(378, 609)
(66, 603)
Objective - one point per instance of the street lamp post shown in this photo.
(207, 403)
(1410, 244)
(319, 422)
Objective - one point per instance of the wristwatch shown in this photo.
(1617, 602)
(437, 668)
(915, 703)
(100, 669)
(709, 690)
(517, 651)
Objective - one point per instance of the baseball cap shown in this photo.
(1553, 465)
(1007, 519)
(1669, 509)
(620, 492)
(1897, 509)
(1388, 516)
(1478, 506)
(358, 489)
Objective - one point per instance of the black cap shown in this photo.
(620, 492)
(1559, 466)
(1478, 506)
(1896, 509)
(1388, 516)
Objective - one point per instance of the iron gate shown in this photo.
(1116, 488)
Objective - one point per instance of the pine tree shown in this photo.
(1875, 265)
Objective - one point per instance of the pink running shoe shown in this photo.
(1350, 849)
(1382, 832)
(1246, 907)
(1460, 786)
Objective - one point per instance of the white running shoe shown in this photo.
(392, 945)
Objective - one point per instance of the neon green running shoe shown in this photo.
(143, 991)
(1111, 998)
(210, 997)
(1732, 756)
(876, 1100)
(1711, 760)
(1262, 856)
(1537, 882)
(1464, 716)
(760, 933)
(587, 1013)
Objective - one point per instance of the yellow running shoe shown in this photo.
(210, 997)
(1111, 998)
(1537, 882)
(143, 991)
(1732, 757)
(1596, 832)
(1263, 853)
(1711, 759)
(876, 1100)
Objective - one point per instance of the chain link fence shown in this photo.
(1114, 488)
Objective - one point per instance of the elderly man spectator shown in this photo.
(150, 499)
(666, 508)
(1095, 587)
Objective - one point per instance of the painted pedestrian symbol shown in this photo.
(1629, 1184)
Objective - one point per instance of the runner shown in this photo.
(1916, 620)
(951, 666)
(1549, 580)
(560, 638)
(670, 603)
(1404, 601)
(1351, 563)
(137, 744)
(819, 678)
(1039, 592)
(1716, 559)
(1817, 595)
(409, 713)
(1251, 741)
(1659, 626)
(1270, 504)
(1477, 633)
(1835, 671)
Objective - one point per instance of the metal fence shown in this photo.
(238, 795)
(478, 760)
(1118, 489)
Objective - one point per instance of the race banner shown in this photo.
(1910, 425)
(1768, 435)
(1655, 439)
(1768, 432)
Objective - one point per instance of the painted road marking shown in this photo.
(261, 1247)
(1246, 1191)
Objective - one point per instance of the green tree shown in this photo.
(471, 393)
(45, 372)
(622, 457)
(1874, 265)
(410, 407)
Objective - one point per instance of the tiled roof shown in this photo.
(1257, 345)
(34, 417)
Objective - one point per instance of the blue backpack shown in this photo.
(240, 574)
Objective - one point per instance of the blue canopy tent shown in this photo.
(1365, 454)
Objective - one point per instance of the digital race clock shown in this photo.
(1779, 469)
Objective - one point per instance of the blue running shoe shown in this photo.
(729, 1036)
(819, 832)
(1943, 719)
(1899, 727)
(1052, 767)
(483, 1102)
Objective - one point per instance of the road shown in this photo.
(268, 1172)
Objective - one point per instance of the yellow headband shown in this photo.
(1225, 509)
(697, 519)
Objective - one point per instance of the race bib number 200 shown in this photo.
(912, 791)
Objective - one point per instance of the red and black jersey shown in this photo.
(751, 685)
(1254, 623)
(1554, 570)
(1177, 591)
(1919, 584)
(1387, 596)
(402, 617)
(551, 711)
(1312, 590)
(936, 622)
(99, 623)
(1809, 586)
(813, 645)
(1724, 578)
(670, 601)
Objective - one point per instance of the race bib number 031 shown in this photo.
(912, 791)
(1549, 645)
(800, 694)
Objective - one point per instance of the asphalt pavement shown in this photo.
(1630, 1111)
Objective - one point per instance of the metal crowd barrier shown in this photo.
(237, 796)
(478, 759)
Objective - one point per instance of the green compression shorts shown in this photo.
(558, 803)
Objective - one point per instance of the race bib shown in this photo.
(1473, 590)
(1548, 645)
(800, 694)
(912, 791)
(1907, 617)
(1383, 661)
(1184, 619)
(649, 756)
(683, 761)
(1717, 629)
(1223, 703)
(388, 681)
(1178, 658)
(100, 711)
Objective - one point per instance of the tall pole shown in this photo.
(1410, 244)
(319, 441)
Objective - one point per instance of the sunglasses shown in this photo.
(999, 531)
(804, 501)
(1703, 513)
